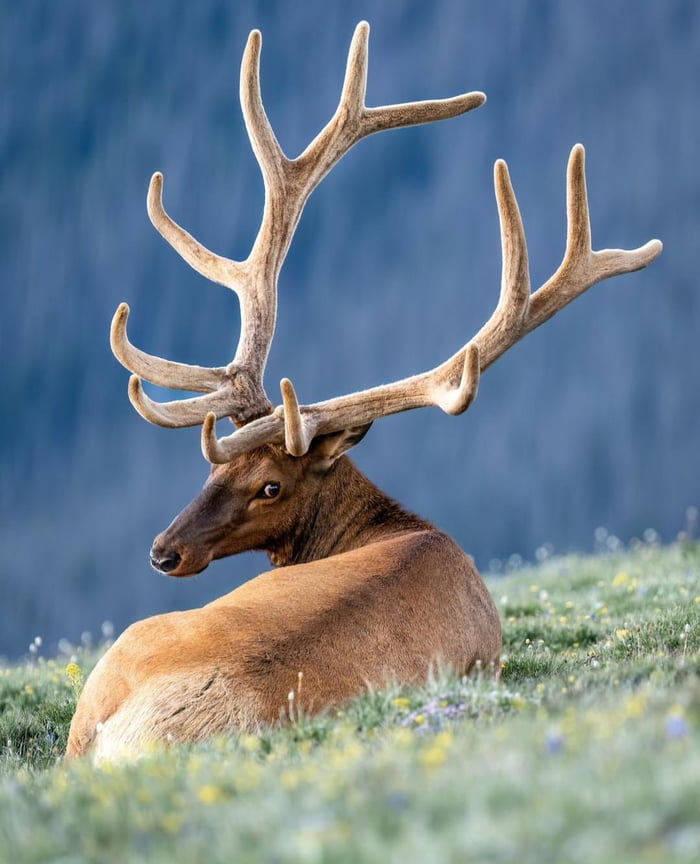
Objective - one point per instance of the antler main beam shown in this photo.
(452, 385)
(237, 389)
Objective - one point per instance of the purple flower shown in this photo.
(554, 743)
(676, 727)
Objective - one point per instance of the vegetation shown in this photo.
(588, 749)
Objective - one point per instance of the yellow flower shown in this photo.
(251, 743)
(209, 794)
(634, 705)
(401, 702)
(170, 823)
(620, 579)
(622, 633)
(419, 719)
(518, 703)
(75, 678)
(433, 756)
(73, 672)
(443, 739)
(289, 779)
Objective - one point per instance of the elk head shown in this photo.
(266, 472)
(262, 499)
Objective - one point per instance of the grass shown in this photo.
(587, 750)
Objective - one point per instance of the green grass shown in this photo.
(587, 750)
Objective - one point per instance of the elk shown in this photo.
(362, 590)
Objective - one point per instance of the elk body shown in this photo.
(363, 591)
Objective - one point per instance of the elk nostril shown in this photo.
(166, 563)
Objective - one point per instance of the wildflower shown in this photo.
(433, 756)
(251, 743)
(75, 678)
(634, 705)
(676, 726)
(622, 634)
(444, 739)
(170, 823)
(401, 702)
(620, 579)
(209, 794)
(289, 779)
(73, 671)
(553, 743)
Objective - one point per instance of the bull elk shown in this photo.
(361, 589)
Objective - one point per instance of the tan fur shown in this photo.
(392, 609)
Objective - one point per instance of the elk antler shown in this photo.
(452, 385)
(237, 390)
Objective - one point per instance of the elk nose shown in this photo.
(166, 562)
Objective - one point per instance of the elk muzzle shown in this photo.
(164, 560)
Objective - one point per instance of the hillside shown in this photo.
(587, 750)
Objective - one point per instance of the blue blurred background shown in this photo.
(592, 421)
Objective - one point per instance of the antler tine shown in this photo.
(507, 320)
(264, 430)
(230, 274)
(352, 96)
(164, 373)
(181, 412)
(262, 138)
(452, 386)
(581, 267)
(297, 433)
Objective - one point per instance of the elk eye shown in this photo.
(269, 490)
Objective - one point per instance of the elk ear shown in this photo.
(327, 448)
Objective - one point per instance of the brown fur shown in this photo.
(368, 592)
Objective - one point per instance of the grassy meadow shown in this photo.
(588, 749)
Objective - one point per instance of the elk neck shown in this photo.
(348, 512)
